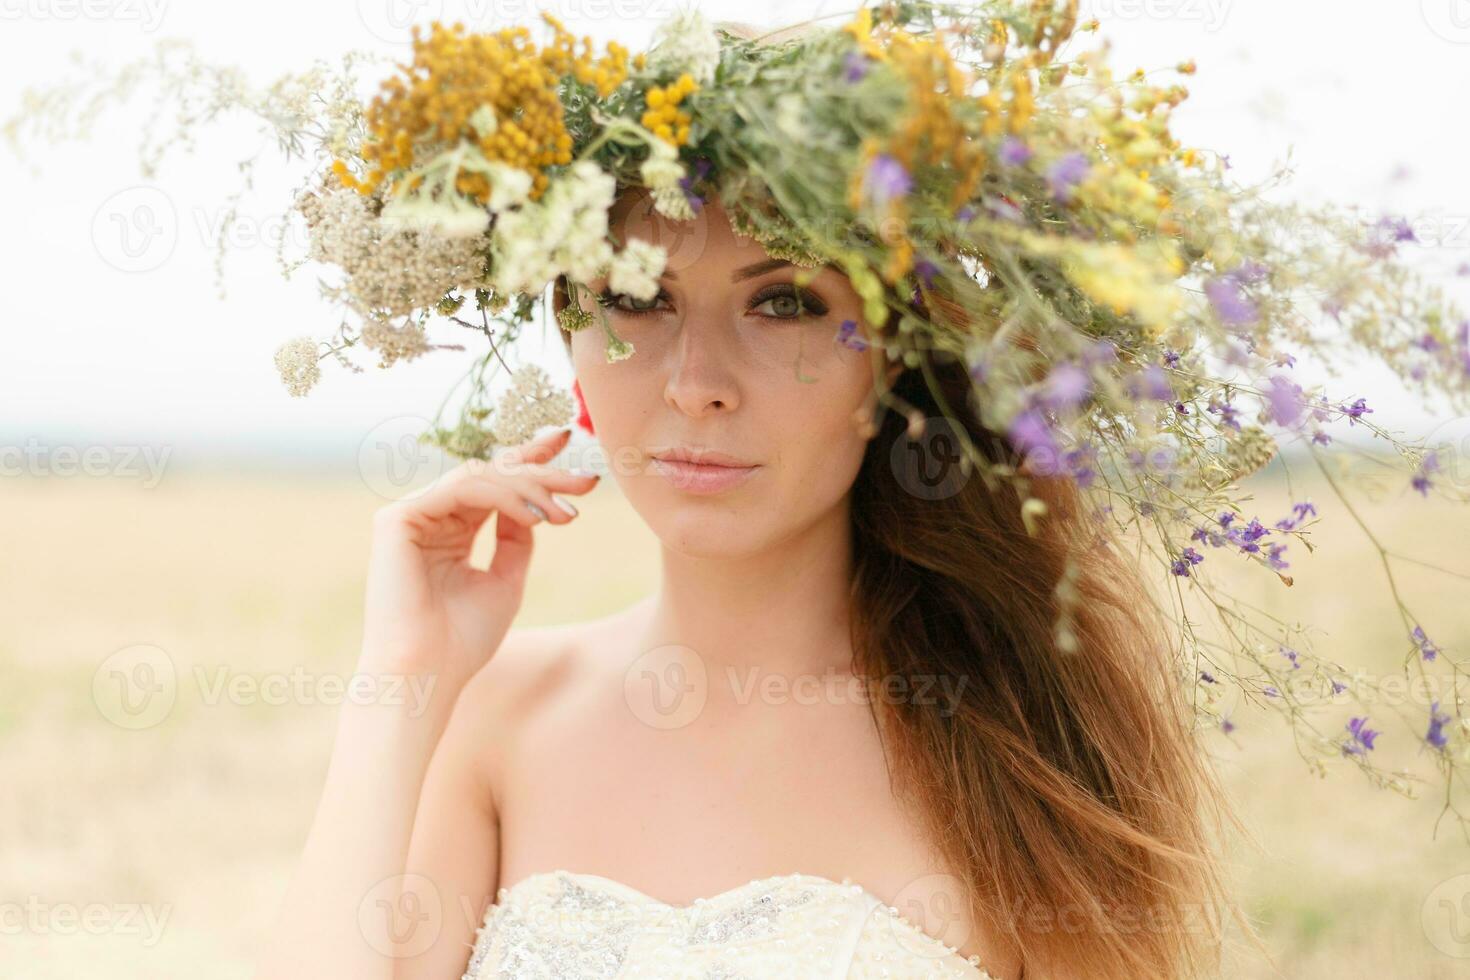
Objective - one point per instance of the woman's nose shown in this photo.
(701, 372)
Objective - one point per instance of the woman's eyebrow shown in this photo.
(746, 272)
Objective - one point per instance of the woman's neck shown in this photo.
(782, 610)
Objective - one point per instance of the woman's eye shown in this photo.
(610, 298)
(787, 304)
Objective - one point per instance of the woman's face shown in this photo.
(727, 362)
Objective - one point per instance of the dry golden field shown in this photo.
(161, 851)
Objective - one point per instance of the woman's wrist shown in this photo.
(395, 713)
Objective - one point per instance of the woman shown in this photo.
(1028, 812)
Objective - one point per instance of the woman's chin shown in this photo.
(703, 528)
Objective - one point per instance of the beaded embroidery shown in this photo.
(561, 924)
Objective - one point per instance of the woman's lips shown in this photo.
(701, 477)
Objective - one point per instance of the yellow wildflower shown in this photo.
(458, 84)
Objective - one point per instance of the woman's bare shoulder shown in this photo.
(537, 665)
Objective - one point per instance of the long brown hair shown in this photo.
(1064, 784)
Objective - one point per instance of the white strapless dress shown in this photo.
(564, 925)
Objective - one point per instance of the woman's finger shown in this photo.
(538, 449)
(471, 494)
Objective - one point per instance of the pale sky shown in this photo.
(110, 345)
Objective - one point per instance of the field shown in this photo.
(161, 850)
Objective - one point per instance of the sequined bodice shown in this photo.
(562, 925)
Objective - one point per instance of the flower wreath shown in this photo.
(1130, 317)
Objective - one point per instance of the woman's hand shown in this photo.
(429, 613)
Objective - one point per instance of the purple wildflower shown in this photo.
(1299, 512)
(1067, 173)
(1151, 382)
(1427, 650)
(1437, 719)
(887, 179)
(1014, 152)
(1292, 656)
(1249, 271)
(1356, 410)
(1030, 432)
(964, 214)
(845, 336)
(1207, 677)
(1273, 556)
(1067, 386)
(1285, 400)
(926, 271)
(1229, 414)
(1429, 464)
(856, 67)
(1385, 234)
(702, 167)
(1245, 538)
(1231, 305)
(1078, 462)
(1363, 736)
(1187, 559)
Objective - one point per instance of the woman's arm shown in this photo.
(454, 851)
(344, 904)
(431, 622)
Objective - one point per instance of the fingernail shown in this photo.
(533, 508)
(565, 505)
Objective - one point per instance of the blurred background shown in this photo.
(173, 518)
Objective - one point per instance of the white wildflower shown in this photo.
(452, 217)
(483, 119)
(508, 185)
(565, 232)
(673, 203)
(296, 360)
(530, 403)
(388, 271)
(685, 42)
(395, 343)
(661, 174)
(636, 268)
